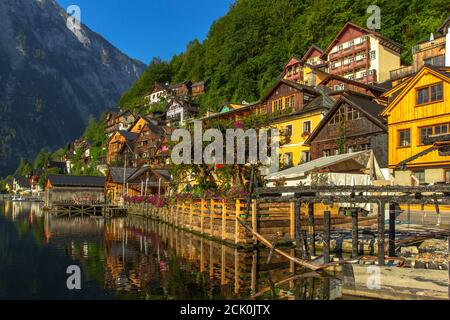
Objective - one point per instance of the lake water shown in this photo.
(135, 258)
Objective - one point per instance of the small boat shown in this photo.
(18, 199)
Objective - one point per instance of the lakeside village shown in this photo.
(363, 141)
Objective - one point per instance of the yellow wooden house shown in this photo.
(419, 108)
(302, 107)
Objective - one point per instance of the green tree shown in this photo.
(24, 169)
(42, 159)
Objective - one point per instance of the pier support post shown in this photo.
(211, 218)
(292, 220)
(202, 216)
(255, 219)
(236, 223)
(381, 230)
(298, 227)
(392, 207)
(355, 213)
(224, 219)
(312, 229)
(327, 236)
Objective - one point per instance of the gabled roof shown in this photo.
(23, 182)
(442, 73)
(330, 77)
(308, 53)
(385, 41)
(160, 173)
(293, 60)
(129, 136)
(117, 174)
(76, 181)
(295, 85)
(444, 26)
(364, 104)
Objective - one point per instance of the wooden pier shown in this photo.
(218, 219)
(87, 210)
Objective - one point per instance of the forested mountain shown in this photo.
(246, 49)
(53, 75)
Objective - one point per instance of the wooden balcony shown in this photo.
(401, 73)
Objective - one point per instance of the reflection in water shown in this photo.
(135, 258)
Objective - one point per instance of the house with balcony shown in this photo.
(118, 121)
(360, 54)
(300, 70)
(179, 110)
(430, 52)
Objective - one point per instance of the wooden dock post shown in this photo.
(236, 222)
(381, 227)
(298, 228)
(355, 213)
(191, 213)
(392, 207)
(211, 219)
(202, 216)
(327, 236)
(255, 219)
(312, 229)
(224, 220)
(292, 220)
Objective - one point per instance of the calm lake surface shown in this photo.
(135, 258)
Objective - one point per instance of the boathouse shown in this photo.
(63, 189)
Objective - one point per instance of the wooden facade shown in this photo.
(351, 125)
(419, 109)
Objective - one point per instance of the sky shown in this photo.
(144, 29)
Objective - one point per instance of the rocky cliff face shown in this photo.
(53, 75)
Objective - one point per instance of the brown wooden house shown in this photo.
(116, 142)
(353, 124)
(116, 179)
(149, 181)
(120, 121)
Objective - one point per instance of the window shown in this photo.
(426, 132)
(436, 61)
(326, 153)
(340, 47)
(289, 102)
(404, 138)
(345, 113)
(420, 175)
(288, 131)
(307, 127)
(441, 129)
(430, 94)
(277, 105)
(373, 55)
(288, 159)
(437, 92)
(422, 96)
(351, 43)
(306, 156)
(339, 87)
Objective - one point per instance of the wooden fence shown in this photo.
(217, 219)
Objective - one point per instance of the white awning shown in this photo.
(347, 162)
